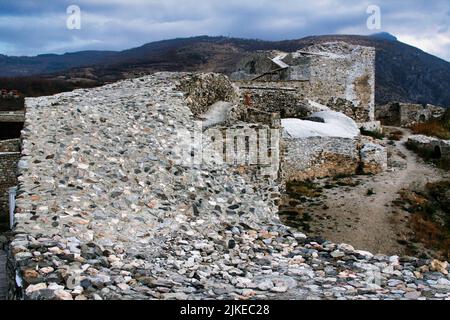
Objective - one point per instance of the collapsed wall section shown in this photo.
(336, 74)
(407, 114)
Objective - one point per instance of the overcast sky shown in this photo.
(30, 27)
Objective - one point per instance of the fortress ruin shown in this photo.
(112, 206)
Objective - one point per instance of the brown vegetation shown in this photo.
(395, 135)
(435, 128)
(430, 217)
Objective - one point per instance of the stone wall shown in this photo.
(289, 104)
(101, 170)
(319, 157)
(431, 147)
(336, 74)
(107, 210)
(203, 90)
(340, 70)
(12, 116)
(253, 115)
(8, 167)
(406, 114)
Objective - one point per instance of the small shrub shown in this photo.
(396, 135)
(430, 218)
(373, 134)
(300, 189)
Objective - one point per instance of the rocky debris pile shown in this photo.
(105, 211)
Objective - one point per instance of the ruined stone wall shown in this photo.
(407, 114)
(411, 114)
(8, 168)
(318, 157)
(9, 158)
(289, 104)
(250, 147)
(12, 116)
(203, 90)
(107, 209)
(346, 72)
(253, 115)
(339, 75)
(102, 171)
(431, 147)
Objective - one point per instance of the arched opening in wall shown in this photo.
(422, 118)
(437, 153)
(10, 130)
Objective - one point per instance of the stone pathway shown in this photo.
(344, 212)
(2, 275)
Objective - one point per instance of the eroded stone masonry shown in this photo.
(110, 207)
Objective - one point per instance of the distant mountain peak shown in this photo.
(384, 36)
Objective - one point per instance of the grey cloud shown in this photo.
(32, 27)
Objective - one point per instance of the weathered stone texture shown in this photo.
(12, 116)
(203, 90)
(100, 171)
(319, 157)
(336, 74)
(373, 126)
(3, 279)
(430, 146)
(286, 103)
(374, 159)
(406, 114)
(108, 209)
(346, 72)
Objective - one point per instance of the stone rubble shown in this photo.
(374, 158)
(105, 212)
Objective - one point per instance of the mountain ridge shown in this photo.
(404, 73)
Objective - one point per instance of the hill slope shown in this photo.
(404, 73)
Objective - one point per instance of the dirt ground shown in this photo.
(360, 210)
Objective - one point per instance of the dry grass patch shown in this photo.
(430, 216)
(433, 129)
